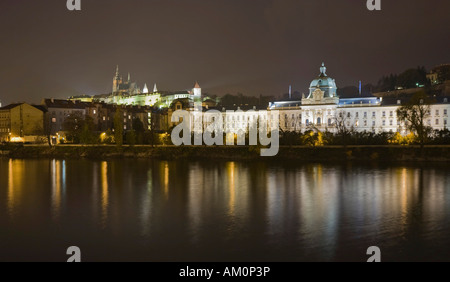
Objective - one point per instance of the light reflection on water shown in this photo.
(225, 211)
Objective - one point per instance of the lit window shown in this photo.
(104, 118)
(94, 112)
(399, 102)
(53, 120)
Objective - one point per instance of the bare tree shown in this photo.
(340, 122)
(414, 114)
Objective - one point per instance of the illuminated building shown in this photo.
(21, 121)
(322, 108)
(60, 110)
(125, 92)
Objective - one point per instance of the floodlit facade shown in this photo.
(21, 122)
(126, 92)
(322, 109)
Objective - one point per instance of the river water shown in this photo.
(152, 210)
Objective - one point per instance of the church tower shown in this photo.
(117, 81)
(197, 90)
(145, 90)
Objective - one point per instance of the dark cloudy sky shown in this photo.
(249, 46)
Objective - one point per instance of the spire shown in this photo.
(117, 71)
(145, 90)
(196, 85)
(323, 69)
(129, 77)
(155, 89)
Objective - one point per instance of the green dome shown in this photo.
(324, 83)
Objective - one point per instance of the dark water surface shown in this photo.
(149, 210)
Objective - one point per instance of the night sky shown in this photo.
(229, 46)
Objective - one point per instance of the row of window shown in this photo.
(383, 114)
(391, 122)
(235, 118)
(104, 118)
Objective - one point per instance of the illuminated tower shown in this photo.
(197, 90)
(117, 81)
(145, 90)
(155, 89)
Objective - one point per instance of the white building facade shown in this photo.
(322, 109)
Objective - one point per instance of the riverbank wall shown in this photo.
(300, 153)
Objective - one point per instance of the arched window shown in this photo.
(329, 122)
(307, 122)
(319, 121)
